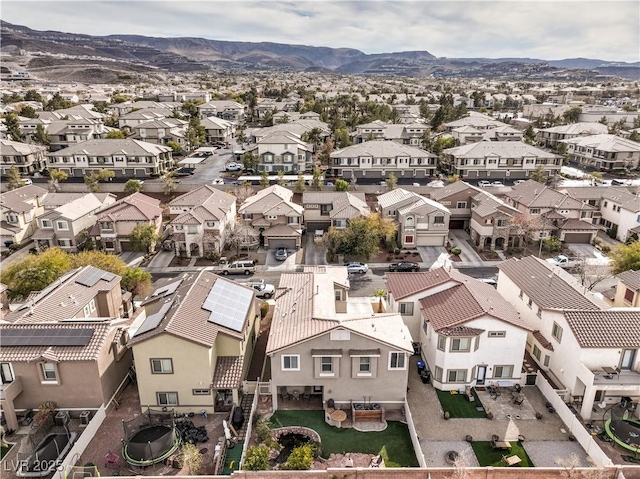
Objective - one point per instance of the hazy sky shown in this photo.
(552, 29)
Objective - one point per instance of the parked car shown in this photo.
(483, 184)
(240, 267)
(497, 184)
(183, 172)
(27, 181)
(233, 166)
(264, 291)
(281, 254)
(356, 267)
(218, 181)
(517, 182)
(404, 266)
(563, 261)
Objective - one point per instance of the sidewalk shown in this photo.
(18, 256)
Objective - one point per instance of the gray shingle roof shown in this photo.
(546, 286)
(16, 200)
(619, 328)
(381, 149)
(112, 147)
(402, 285)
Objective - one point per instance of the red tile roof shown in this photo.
(228, 372)
(401, 285)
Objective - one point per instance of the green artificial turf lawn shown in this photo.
(488, 457)
(393, 444)
(4, 450)
(459, 406)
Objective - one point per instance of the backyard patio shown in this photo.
(459, 406)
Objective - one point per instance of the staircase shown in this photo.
(233, 455)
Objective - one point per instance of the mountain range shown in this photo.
(185, 54)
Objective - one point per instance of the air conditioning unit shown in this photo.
(62, 418)
(85, 417)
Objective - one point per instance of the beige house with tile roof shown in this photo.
(278, 219)
(193, 348)
(581, 343)
(66, 344)
(341, 349)
(201, 221)
(323, 209)
(469, 335)
(604, 152)
(552, 213)
(421, 221)
(626, 293)
(67, 225)
(27, 158)
(282, 151)
(116, 222)
(494, 223)
(456, 197)
(551, 136)
(19, 210)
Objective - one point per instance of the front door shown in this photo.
(482, 372)
(628, 357)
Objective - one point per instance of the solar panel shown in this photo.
(167, 290)
(154, 320)
(228, 304)
(92, 275)
(46, 337)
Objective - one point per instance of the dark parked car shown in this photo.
(404, 266)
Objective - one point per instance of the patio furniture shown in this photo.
(111, 460)
(307, 393)
(285, 394)
(611, 372)
(500, 445)
(511, 460)
(518, 400)
(338, 415)
(295, 395)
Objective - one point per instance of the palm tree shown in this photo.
(380, 293)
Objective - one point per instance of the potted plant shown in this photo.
(446, 415)
(489, 415)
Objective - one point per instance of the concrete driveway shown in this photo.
(433, 256)
(273, 264)
(132, 258)
(589, 252)
(468, 255)
(314, 253)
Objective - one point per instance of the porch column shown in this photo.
(587, 402)
(236, 397)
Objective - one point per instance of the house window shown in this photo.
(12, 218)
(162, 366)
(365, 365)
(536, 352)
(192, 229)
(6, 373)
(521, 294)
(461, 204)
(46, 224)
(556, 332)
(500, 223)
(49, 372)
(406, 309)
(628, 295)
(272, 217)
(547, 358)
(539, 312)
(179, 227)
(442, 342)
(438, 220)
(460, 344)
(64, 243)
(530, 302)
(397, 360)
(201, 392)
(62, 225)
(337, 294)
(535, 211)
(502, 371)
(497, 334)
(326, 365)
(167, 399)
(340, 223)
(293, 220)
(437, 374)
(291, 362)
(456, 375)
(89, 308)
(211, 224)
(408, 239)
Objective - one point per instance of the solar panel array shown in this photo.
(167, 290)
(46, 337)
(228, 304)
(154, 320)
(92, 275)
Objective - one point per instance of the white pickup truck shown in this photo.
(563, 261)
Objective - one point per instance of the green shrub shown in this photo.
(263, 429)
(212, 256)
(257, 459)
(300, 459)
(456, 251)
(551, 244)
(264, 309)
(605, 248)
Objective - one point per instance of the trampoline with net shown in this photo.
(150, 438)
(623, 427)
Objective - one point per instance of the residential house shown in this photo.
(405, 134)
(278, 219)
(117, 221)
(467, 134)
(604, 152)
(77, 112)
(27, 158)
(298, 128)
(498, 160)
(202, 221)
(551, 136)
(421, 221)
(218, 129)
(19, 210)
(337, 350)
(66, 344)
(548, 212)
(160, 132)
(503, 133)
(377, 159)
(225, 109)
(282, 152)
(626, 293)
(63, 133)
(478, 121)
(576, 335)
(456, 197)
(494, 223)
(469, 335)
(194, 347)
(323, 209)
(126, 158)
(135, 117)
(620, 213)
(67, 225)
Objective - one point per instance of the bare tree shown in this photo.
(590, 275)
(243, 192)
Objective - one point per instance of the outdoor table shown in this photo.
(512, 460)
(611, 371)
(338, 415)
(500, 445)
(296, 395)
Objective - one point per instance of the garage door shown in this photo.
(282, 243)
(125, 246)
(456, 224)
(577, 237)
(430, 241)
